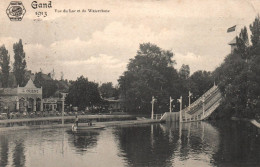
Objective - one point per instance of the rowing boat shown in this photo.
(75, 128)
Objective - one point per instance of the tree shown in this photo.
(255, 36)
(83, 93)
(107, 90)
(200, 82)
(4, 63)
(255, 29)
(150, 73)
(242, 44)
(184, 71)
(19, 65)
(238, 77)
(49, 86)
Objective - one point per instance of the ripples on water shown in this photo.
(189, 144)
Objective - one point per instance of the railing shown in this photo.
(199, 100)
(157, 116)
(164, 115)
(211, 109)
(211, 102)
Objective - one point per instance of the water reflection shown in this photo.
(174, 144)
(4, 149)
(140, 150)
(239, 145)
(18, 154)
(83, 141)
(12, 150)
(168, 144)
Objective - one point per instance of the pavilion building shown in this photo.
(24, 99)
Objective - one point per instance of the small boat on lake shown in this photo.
(75, 128)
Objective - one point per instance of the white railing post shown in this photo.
(203, 105)
(62, 109)
(171, 100)
(190, 94)
(180, 101)
(153, 100)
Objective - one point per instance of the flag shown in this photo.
(231, 29)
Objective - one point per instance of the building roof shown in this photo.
(30, 84)
(233, 42)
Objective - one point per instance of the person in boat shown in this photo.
(89, 123)
(77, 121)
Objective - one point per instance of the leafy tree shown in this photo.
(19, 65)
(49, 86)
(242, 44)
(200, 82)
(150, 73)
(184, 71)
(107, 90)
(255, 29)
(83, 93)
(4, 63)
(238, 77)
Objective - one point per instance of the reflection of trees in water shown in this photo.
(239, 145)
(145, 145)
(83, 141)
(3, 150)
(194, 138)
(157, 145)
(18, 153)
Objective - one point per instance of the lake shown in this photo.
(189, 144)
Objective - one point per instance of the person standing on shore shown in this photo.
(77, 120)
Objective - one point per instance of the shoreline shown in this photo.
(252, 121)
(57, 118)
(106, 124)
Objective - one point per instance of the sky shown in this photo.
(99, 45)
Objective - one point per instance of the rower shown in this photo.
(77, 120)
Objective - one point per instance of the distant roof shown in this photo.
(233, 42)
(30, 84)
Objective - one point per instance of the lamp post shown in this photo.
(180, 101)
(153, 100)
(171, 100)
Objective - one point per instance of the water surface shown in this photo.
(188, 144)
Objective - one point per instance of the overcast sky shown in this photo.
(99, 45)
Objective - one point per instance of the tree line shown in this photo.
(152, 73)
(238, 76)
(81, 93)
(19, 65)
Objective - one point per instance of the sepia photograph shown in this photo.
(130, 83)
